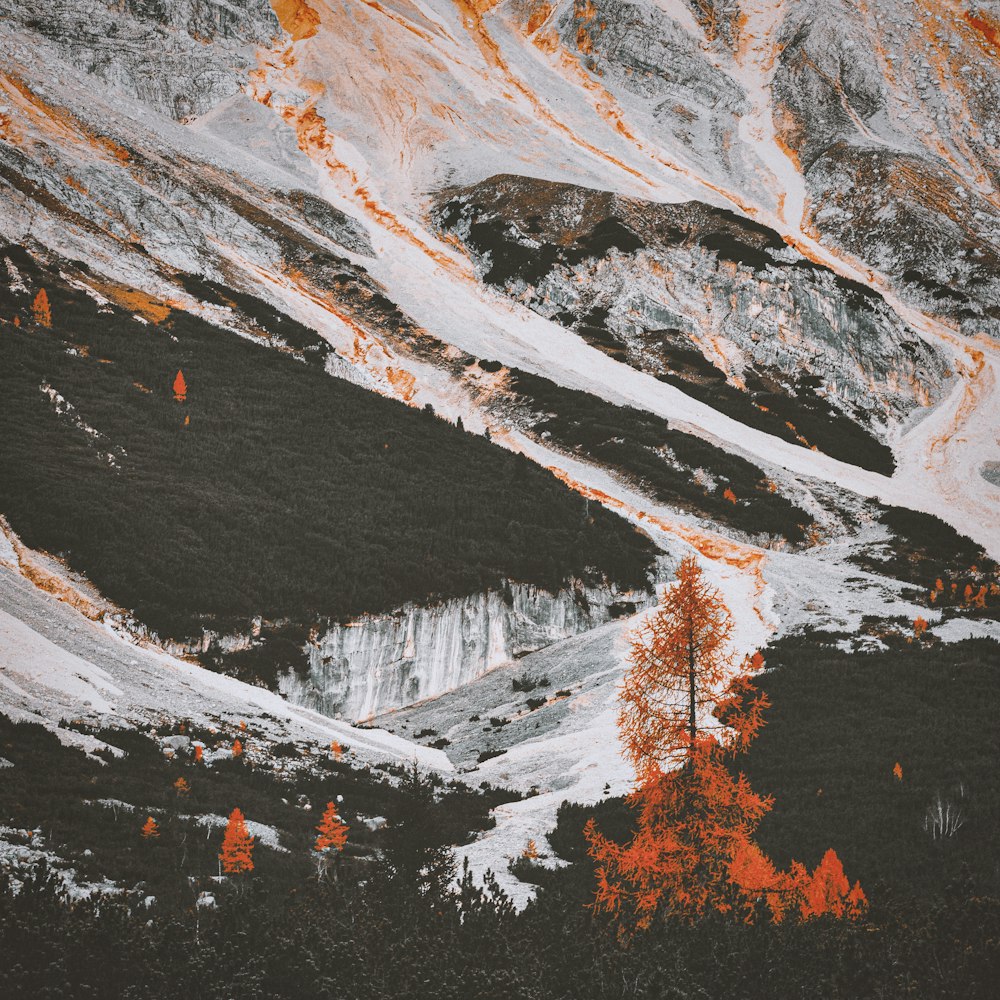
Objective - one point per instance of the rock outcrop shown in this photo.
(182, 57)
(683, 290)
(382, 662)
(893, 112)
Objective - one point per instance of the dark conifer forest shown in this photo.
(272, 489)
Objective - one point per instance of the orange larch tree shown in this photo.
(150, 829)
(237, 748)
(180, 387)
(332, 830)
(237, 846)
(680, 669)
(827, 891)
(41, 309)
(688, 708)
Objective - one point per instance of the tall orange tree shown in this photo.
(41, 309)
(332, 836)
(237, 846)
(689, 708)
(332, 830)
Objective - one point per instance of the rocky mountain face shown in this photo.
(770, 226)
(181, 57)
(382, 663)
(894, 115)
(690, 291)
(889, 115)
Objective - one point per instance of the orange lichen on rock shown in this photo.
(60, 587)
(318, 143)
(296, 18)
(490, 51)
(972, 393)
(546, 41)
(401, 21)
(135, 301)
(539, 15)
(50, 118)
(403, 382)
(8, 132)
(987, 26)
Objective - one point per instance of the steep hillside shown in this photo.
(707, 301)
(488, 312)
(263, 487)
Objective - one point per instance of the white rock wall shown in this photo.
(382, 662)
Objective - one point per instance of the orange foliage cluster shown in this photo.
(336, 750)
(530, 851)
(237, 846)
(237, 748)
(151, 309)
(919, 626)
(150, 829)
(180, 387)
(332, 830)
(974, 593)
(687, 710)
(182, 786)
(897, 771)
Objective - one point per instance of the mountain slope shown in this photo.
(725, 270)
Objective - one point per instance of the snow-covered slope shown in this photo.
(58, 665)
(636, 98)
